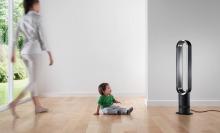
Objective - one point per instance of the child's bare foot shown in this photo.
(12, 107)
(130, 110)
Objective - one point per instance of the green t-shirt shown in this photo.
(105, 101)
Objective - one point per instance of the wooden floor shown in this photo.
(74, 115)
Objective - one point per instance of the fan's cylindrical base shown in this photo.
(184, 114)
(184, 104)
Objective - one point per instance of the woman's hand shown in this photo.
(50, 57)
(96, 113)
(13, 57)
(51, 61)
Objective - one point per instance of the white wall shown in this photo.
(197, 21)
(94, 41)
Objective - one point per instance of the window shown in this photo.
(4, 64)
(13, 78)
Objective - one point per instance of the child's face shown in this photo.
(108, 90)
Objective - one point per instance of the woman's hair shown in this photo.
(28, 4)
(102, 88)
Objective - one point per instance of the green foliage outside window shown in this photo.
(19, 69)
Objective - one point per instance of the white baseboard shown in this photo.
(175, 102)
(63, 94)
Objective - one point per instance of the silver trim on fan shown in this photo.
(180, 75)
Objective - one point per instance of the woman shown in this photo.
(30, 26)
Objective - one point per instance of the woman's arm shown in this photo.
(44, 45)
(97, 111)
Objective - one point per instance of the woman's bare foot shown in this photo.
(40, 109)
(12, 107)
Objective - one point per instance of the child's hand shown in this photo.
(116, 101)
(96, 113)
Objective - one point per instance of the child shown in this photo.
(106, 101)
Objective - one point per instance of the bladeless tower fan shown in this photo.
(184, 75)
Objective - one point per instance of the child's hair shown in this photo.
(102, 88)
(28, 4)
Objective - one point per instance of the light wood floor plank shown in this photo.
(75, 115)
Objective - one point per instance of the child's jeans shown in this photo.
(114, 110)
